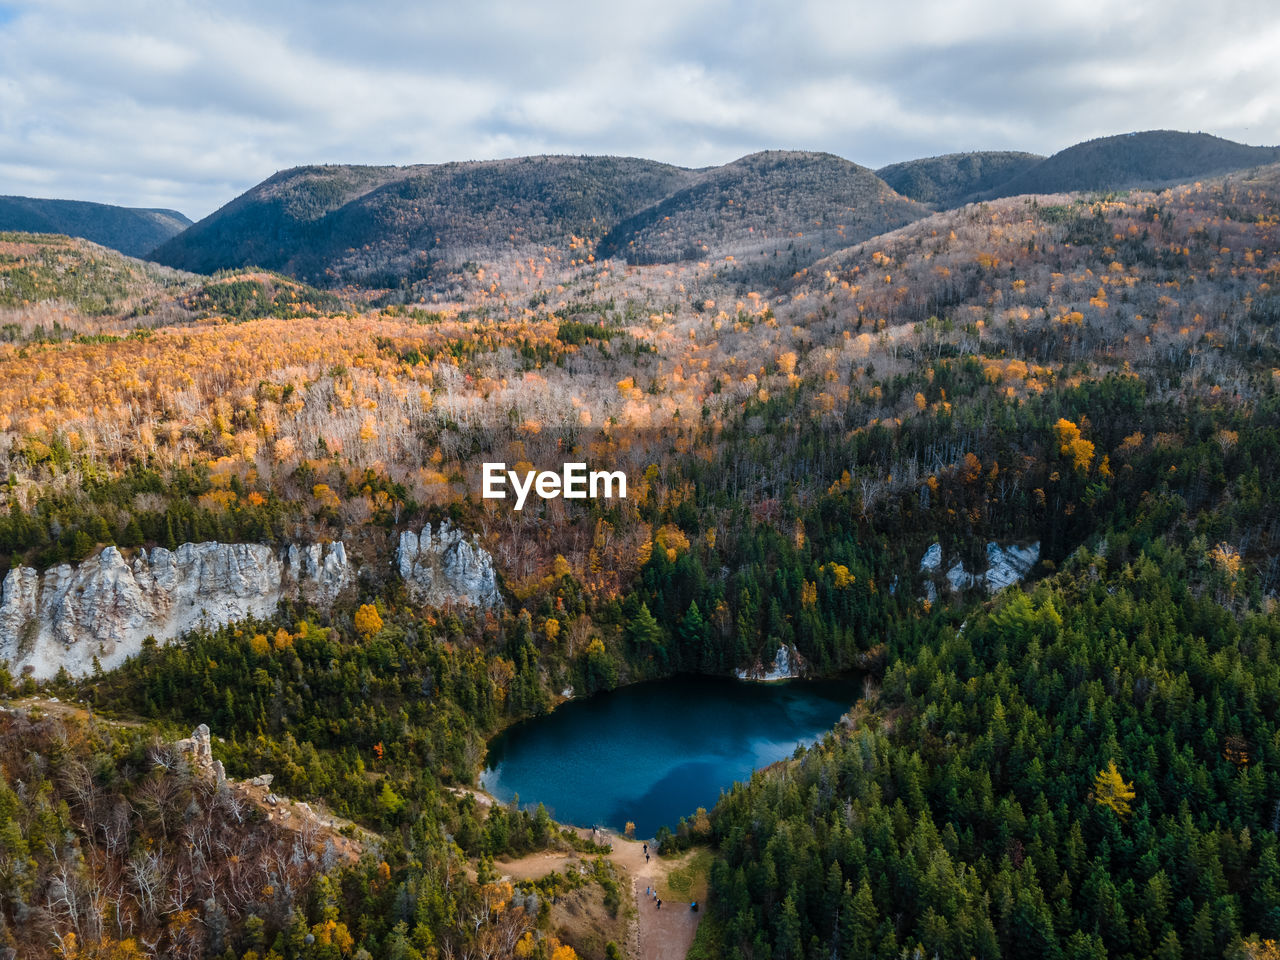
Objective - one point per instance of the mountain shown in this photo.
(132, 230)
(951, 180)
(396, 226)
(380, 226)
(792, 205)
(1150, 158)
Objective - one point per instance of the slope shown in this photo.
(951, 180)
(784, 207)
(1150, 158)
(387, 226)
(132, 230)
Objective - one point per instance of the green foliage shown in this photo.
(969, 828)
(577, 333)
(139, 507)
(40, 267)
(240, 298)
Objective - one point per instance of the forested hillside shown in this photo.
(956, 178)
(1085, 771)
(1083, 765)
(418, 227)
(130, 230)
(1145, 159)
(420, 233)
(785, 208)
(388, 226)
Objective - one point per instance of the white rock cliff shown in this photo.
(447, 568)
(106, 606)
(1006, 565)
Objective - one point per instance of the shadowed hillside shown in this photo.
(952, 180)
(428, 230)
(387, 226)
(788, 206)
(406, 226)
(1151, 158)
(130, 230)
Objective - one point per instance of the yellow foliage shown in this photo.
(1111, 791)
(103, 949)
(809, 593)
(1072, 445)
(1132, 442)
(329, 932)
(1226, 558)
(1256, 949)
(839, 574)
(368, 622)
(552, 629)
(325, 497)
(671, 539)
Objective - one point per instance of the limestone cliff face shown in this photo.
(106, 606)
(447, 568)
(1006, 565)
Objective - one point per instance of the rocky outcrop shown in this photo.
(106, 606)
(447, 568)
(198, 749)
(317, 573)
(787, 665)
(1006, 565)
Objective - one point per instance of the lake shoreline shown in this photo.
(654, 752)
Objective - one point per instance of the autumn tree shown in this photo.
(367, 620)
(1111, 791)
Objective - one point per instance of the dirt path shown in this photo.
(64, 708)
(537, 865)
(659, 933)
(666, 932)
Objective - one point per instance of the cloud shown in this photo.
(185, 104)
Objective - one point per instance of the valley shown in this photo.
(991, 477)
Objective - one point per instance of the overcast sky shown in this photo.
(185, 105)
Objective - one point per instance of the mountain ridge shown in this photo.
(421, 229)
(135, 231)
(1145, 158)
(406, 226)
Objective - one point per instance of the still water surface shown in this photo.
(654, 752)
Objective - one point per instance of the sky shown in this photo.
(186, 105)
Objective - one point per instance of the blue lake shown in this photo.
(654, 752)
